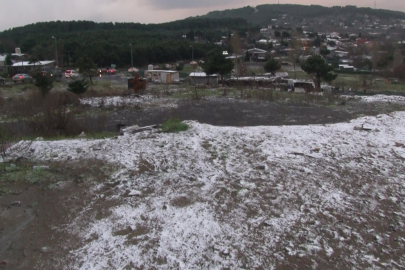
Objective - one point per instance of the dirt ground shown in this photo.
(235, 112)
(36, 204)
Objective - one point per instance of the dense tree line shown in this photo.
(109, 43)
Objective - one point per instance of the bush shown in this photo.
(78, 87)
(180, 66)
(55, 119)
(44, 82)
(174, 125)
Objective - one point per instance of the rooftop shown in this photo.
(201, 74)
(28, 64)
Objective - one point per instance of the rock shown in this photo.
(82, 135)
(393, 228)
(261, 167)
(134, 193)
(45, 249)
(316, 150)
(398, 144)
(16, 203)
(40, 168)
(362, 128)
(113, 184)
(39, 139)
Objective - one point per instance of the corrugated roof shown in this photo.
(164, 71)
(201, 74)
(28, 64)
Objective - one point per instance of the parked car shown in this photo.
(2, 80)
(133, 69)
(102, 71)
(21, 77)
(56, 73)
(71, 74)
(111, 71)
(53, 72)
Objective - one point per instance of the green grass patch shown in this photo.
(49, 174)
(174, 125)
(25, 173)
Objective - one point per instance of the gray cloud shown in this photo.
(189, 4)
(15, 13)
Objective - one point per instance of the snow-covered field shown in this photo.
(317, 196)
(382, 98)
(145, 101)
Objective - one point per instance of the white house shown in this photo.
(256, 54)
(162, 76)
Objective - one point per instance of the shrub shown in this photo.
(4, 138)
(78, 87)
(44, 82)
(174, 125)
(55, 119)
(180, 66)
(139, 84)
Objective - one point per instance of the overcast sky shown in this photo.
(15, 13)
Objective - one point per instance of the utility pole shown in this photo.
(56, 52)
(132, 59)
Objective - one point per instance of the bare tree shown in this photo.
(295, 46)
(237, 49)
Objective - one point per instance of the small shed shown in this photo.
(201, 78)
(299, 86)
(162, 76)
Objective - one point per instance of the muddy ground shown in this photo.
(235, 112)
(36, 203)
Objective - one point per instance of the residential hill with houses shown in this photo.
(280, 13)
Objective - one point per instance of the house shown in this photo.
(256, 54)
(201, 78)
(162, 76)
(341, 54)
(267, 41)
(27, 67)
(361, 41)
